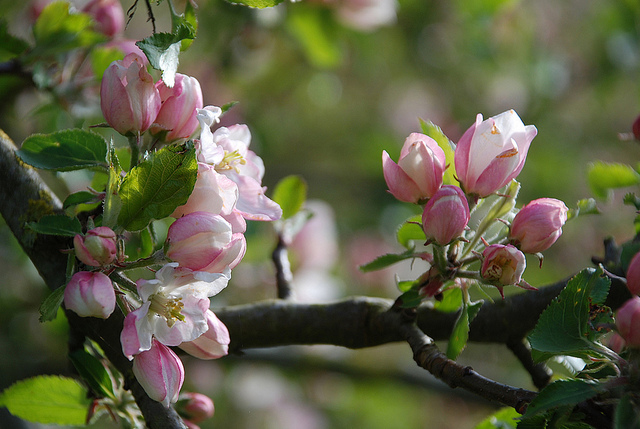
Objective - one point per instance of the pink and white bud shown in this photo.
(213, 344)
(633, 275)
(419, 171)
(213, 193)
(90, 295)
(195, 407)
(108, 15)
(628, 322)
(502, 265)
(177, 115)
(160, 372)
(129, 99)
(445, 215)
(491, 153)
(97, 248)
(203, 241)
(538, 224)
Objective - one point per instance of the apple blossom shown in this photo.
(90, 294)
(419, 171)
(213, 192)
(108, 15)
(538, 224)
(160, 372)
(174, 307)
(213, 344)
(628, 322)
(203, 241)
(128, 97)
(177, 115)
(491, 153)
(633, 275)
(445, 215)
(97, 248)
(502, 265)
(227, 149)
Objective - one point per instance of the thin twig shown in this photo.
(284, 277)
(540, 373)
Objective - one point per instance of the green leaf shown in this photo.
(112, 200)
(57, 30)
(410, 299)
(47, 399)
(50, 305)
(10, 46)
(314, 28)
(460, 333)
(189, 19)
(56, 225)
(227, 106)
(451, 300)
(561, 393)
(564, 328)
(603, 177)
(631, 199)
(163, 50)
(627, 415)
(290, 193)
(386, 260)
(434, 131)
(93, 372)
(156, 186)
(101, 57)
(64, 150)
(260, 4)
(411, 231)
(81, 197)
(585, 206)
(505, 418)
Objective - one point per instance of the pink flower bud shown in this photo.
(502, 265)
(628, 322)
(213, 344)
(195, 407)
(178, 112)
(108, 15)
(538, 224)
(616, 343)
(633, 275)
(203, 241)
(90, 295)
(445, 215)
(129, 99)
(97, 248)
(418, 173)
(491, 153)
(160, 372)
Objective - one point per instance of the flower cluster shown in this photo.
(204, 242)
(460, 219)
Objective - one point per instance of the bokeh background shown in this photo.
(325, 86)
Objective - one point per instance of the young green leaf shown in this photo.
(561, 393)
(411, 231)
(460, 333)
(259, 4)
(10, 46)
(47, 399)
(64, 150)
(603, 177)
(81, 197)
(410, 299)
(50, 305)
(156, 186)
(432, 130)
(162, 50)
(57, 225)
(505, 418)
(583, 207)
(386, 260)
(290, 193)
(564, 328)
(93, 372)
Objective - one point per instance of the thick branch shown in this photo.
(23, 198)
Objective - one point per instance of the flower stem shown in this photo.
(134, 144)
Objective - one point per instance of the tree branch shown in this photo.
(23, 198)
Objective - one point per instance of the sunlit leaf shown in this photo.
(47, 399)
(64, 150)
(260, 4)
(156, 186)
(410, 232)
(603, 177)
(163, 50)
(290, 193)
(93, 372)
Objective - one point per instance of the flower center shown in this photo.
(169, 308)
(230, 161)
